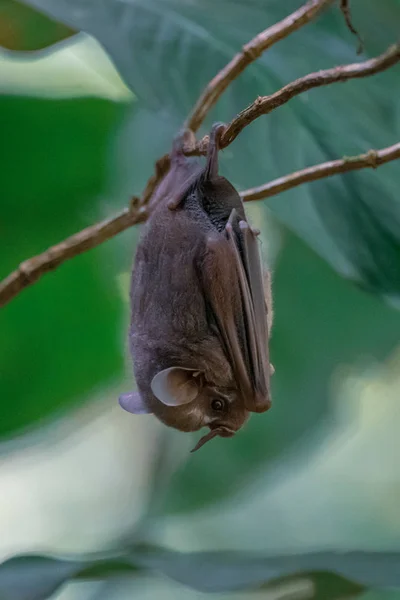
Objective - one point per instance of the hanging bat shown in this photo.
(200, 316)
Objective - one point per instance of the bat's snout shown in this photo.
(221, 431)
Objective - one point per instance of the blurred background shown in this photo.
(91, 94)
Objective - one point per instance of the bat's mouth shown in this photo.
(222, 431)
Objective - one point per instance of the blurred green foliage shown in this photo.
(66, 163)
(54, 346)
(23, 28)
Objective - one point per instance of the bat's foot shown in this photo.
(185, 137)
(216, 131)
(211, 169)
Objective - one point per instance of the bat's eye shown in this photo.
(218, 405)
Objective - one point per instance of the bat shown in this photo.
(201, 309)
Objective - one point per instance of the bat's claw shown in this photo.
(184, 137)
(244, 225)
(216, 130)
(271, 369)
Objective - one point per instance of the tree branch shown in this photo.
(345, 8)
(372, 159)
(250, 52)
(266, 104)
(31, 270)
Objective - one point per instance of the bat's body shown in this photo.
(199, 331)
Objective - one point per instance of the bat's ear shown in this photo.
(133, 402)
(175, 386)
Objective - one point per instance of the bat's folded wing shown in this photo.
(233, 288)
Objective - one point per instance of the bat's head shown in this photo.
(188, 403)
(222, 410)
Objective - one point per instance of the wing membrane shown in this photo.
(233, 286)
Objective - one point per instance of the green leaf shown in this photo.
(341, 217)
(37, 577)
(58, 337)
(321, 322)
(22, 28)
(341, 574)
(79, 68)
(380, 595)
(168, 50)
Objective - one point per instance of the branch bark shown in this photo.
(31, 270)
(371, 159)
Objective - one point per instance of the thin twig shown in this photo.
(372, 159)
(250, 52)
(345, 8)
(161, 168)
(32, 269)
(266, 104)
